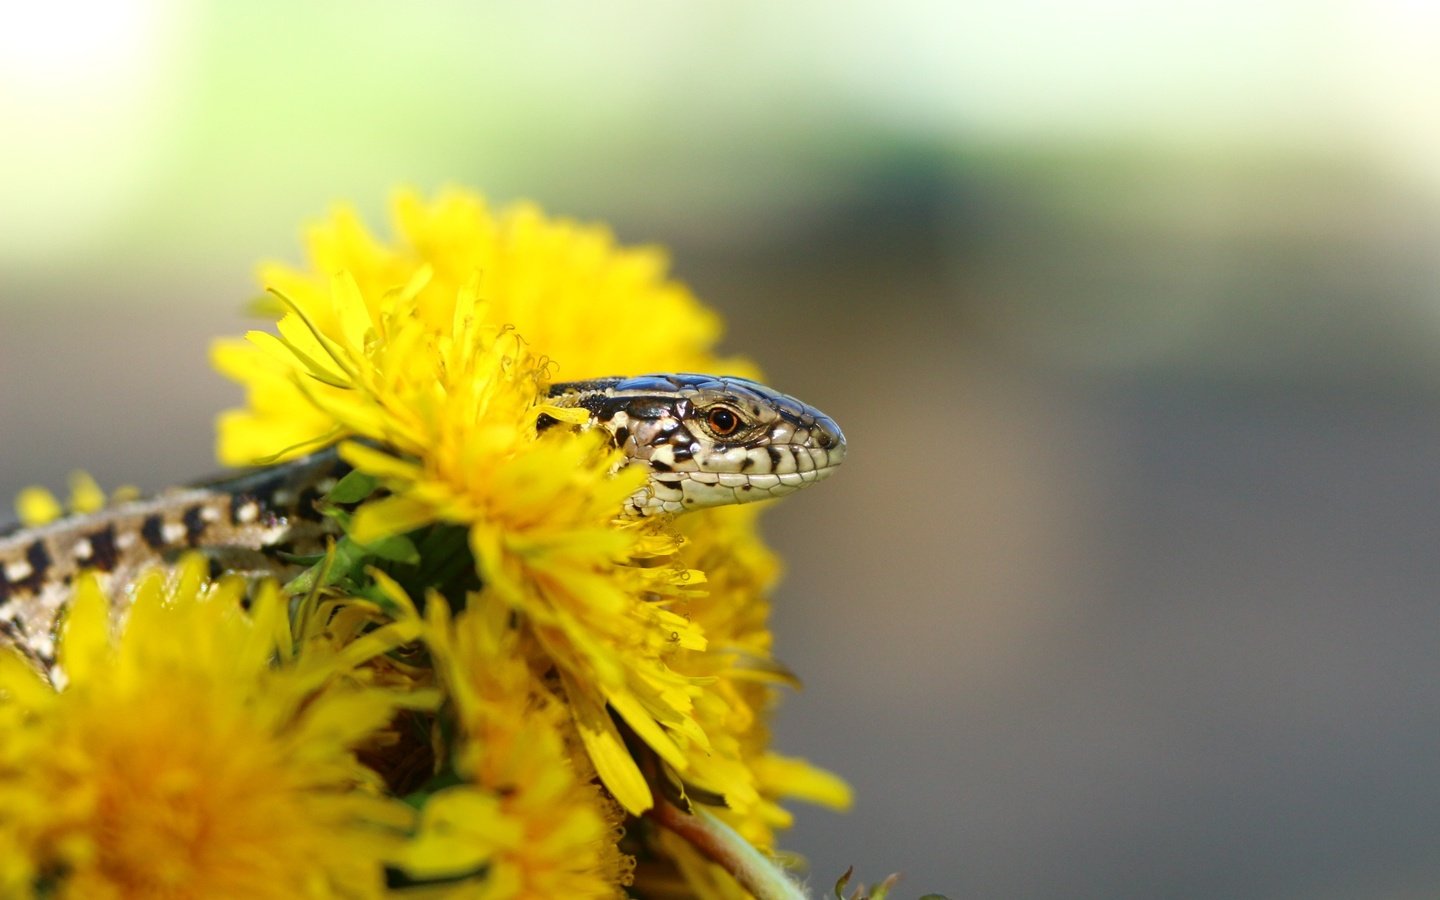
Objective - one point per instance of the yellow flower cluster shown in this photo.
(525, 813)
(436, 349)
(586, 669)
(180, 760)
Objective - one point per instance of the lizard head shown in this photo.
(708, 440)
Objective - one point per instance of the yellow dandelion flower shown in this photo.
(564, 286)
(526, 820)
(559, 282)
(180, 761)
(37, 506)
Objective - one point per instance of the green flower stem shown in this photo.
(722, 845)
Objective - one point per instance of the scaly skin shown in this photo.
(707, 440)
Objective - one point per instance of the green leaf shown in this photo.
(353, 488)
(395, 548)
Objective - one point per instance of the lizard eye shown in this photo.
(722, 420)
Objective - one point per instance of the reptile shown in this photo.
(707, 441)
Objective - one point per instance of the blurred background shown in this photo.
(1131, 313)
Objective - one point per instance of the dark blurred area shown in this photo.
(1127, 587)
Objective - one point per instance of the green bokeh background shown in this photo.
(1130, 313)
